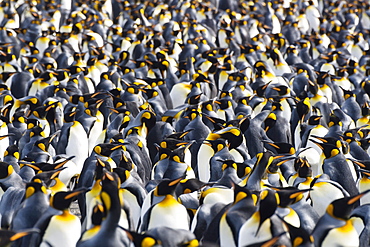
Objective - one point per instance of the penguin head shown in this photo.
(277, 162)
(13, 151)
(5, 170)
(35, 130)
(178, 155)
(330, 140)
(70, 116)
(100, 167)
(342, 208)
(364, 143)
(167, 187)
(63, 199)
(93, 109)
(303, 108)
(44, 143)
(329, 150)
(242, 193)
(186, 186)
(270, 121)
(323, 78)
(217, 145)
(151, 93)
(362, 164)
(224, 103)
(126, 162)
(228, 164)
(365, 109)
(314, 120)
(264, 159)
(280, 147)
(299, 236)
(260, 91)
(31, 101)
(109, 194)
(194, 99)
(122, 173)
(142, 239)
(348, 139)
(41, 111)
(288, 195)
(33, 188)
(242, 122)
(74, 70)
(282, 90)
(29, 163)
(45, 173)
(233, 135)
(145, 120)
(302, 167)
(97, 215)
(334, 121)
(106, 149)
(351, 133)
(163, 153)
(179, 135)
(347, 93)
(268, 203)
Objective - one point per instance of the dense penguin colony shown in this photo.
(185, 123)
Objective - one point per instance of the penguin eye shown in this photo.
(53, 183)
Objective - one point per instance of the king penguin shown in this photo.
(63, 228)
(260, 226)
(336, 166)
(32, 208)
(242, 208)
(110, 234)
(335, 228)
(168, 212)
(73, 140)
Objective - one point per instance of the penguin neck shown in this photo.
(66, 215)
(90, 233)
(114, 214)
(96, 189)
(247, 204)
(256, 176)
(13, 180)
(229, 177)
(168, 200)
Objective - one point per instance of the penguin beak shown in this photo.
(302, 150)
(76, 193)
(271, 144)
(285, 160)
(100, 162)
(29, 165)
(57, 172)
(358, 163)
(278, 157)
(23, 233)
(176, 181)
(364, 172)
(318, 144)
(319, 138)
(358, 197)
